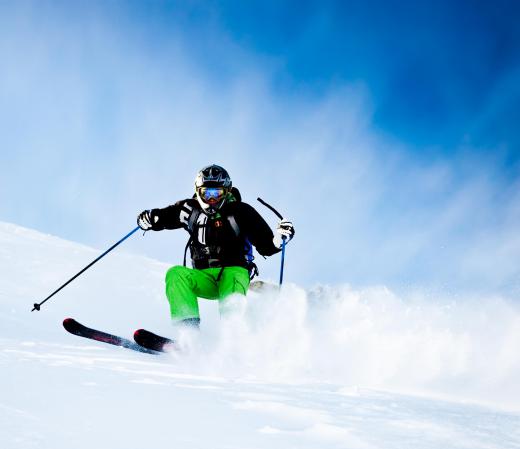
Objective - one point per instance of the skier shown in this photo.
(222, 231)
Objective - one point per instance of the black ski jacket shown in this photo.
(220, 240)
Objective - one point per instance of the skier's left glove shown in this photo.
(284, 231)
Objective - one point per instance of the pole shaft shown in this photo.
(283, 260)
(38, 305)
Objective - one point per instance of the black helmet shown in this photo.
(213, 176)
(211, 186)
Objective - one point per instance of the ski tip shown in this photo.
(69, 322)
(138, 332)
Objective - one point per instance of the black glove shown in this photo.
(144, 220)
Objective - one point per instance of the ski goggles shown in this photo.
(212, 194)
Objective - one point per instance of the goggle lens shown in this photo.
(211, 194)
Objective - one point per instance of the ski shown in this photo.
(76, 328)
(153, 342)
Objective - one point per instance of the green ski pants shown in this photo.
(185, 285)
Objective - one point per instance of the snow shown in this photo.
(334, 367)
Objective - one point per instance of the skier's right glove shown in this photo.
(144, 220)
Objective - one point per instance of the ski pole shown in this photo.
(284, 242)
(37, 306)
(279, 215)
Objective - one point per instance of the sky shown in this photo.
(387, 131)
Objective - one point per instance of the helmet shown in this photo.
(211, 187)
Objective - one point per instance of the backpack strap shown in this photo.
(253, 271)
(193, 219)
(251, 266)
(186, 249)
(190, 227)
(234, 224)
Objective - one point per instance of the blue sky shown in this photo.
(432, 68)
(386, 130)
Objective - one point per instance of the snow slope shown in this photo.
(331, 368)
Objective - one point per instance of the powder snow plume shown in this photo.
(459, 348)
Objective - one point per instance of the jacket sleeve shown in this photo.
(256, 230)
(168, 217)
